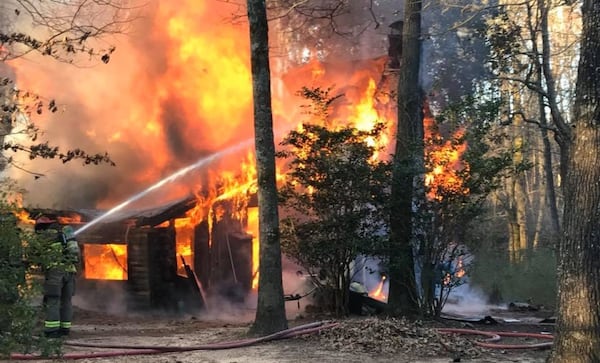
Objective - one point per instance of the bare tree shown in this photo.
(63, 31)
(533, 47)
(270, 312)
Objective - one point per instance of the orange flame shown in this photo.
(191, 98)
(456, 274)
(253, 230)
(184, 233)
(105, 261)
(23, 216)
(317, 69)
(460, 268)
(71, 219)
(378, 292)
(443, 158)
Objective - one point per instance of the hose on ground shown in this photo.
(128, 350)
(490, 343)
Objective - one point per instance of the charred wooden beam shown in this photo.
(175, 211)
(116, 232)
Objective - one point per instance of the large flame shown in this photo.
(179, 88)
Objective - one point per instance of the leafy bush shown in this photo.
(22, 254)
(334, 199)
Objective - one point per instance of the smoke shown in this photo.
(176, 89)
(469, 300)
(297, 286)
(105, 296)
(454, 53)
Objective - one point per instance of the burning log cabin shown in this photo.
(165, 259)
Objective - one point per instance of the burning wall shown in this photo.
(170, 257)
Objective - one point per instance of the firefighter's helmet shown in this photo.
(69, 232)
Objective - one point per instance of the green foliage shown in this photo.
(320, 101)
(334, 198)
(22, 255)
(455, 206)
(504, 38)
(450, 209)
(487, 163)
(532, 278)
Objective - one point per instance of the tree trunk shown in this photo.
(519, 196)
(541, 211)
(270, 311)
(518, 239)
(521, 204)
(549, 185)
(577, 337)
(545, 68)
(403, 296)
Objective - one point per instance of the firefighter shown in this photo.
(59, 284)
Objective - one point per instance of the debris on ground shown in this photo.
(523, 306)
(392, 336)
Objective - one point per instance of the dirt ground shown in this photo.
(160, 330)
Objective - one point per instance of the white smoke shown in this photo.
(469, 300)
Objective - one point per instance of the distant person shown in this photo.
(59, 271)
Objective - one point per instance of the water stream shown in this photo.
(181, 172)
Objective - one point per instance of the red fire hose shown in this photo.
(496, 336)
(146, 350)
(129, 350)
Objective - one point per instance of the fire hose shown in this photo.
(130, 350)
(495, 336)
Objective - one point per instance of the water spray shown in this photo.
(181, 172)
